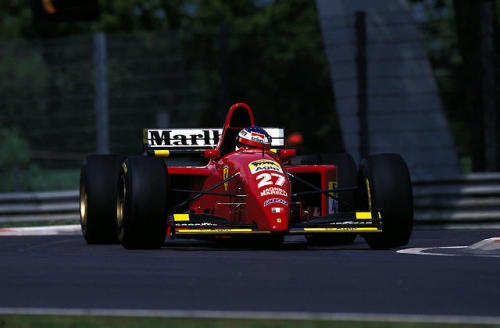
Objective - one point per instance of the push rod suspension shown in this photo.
(200, 193)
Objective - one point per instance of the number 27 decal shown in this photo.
(266, 179)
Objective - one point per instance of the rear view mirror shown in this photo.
(287, 153)
(211, 153)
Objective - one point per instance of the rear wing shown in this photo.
(191, 141)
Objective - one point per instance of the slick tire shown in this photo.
(385, 186)
(347, 176)
(142, 206)
(98, 185)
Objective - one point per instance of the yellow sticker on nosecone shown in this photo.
(264, 165)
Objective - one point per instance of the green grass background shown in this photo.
(39, 321)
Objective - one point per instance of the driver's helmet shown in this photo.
(255, 137)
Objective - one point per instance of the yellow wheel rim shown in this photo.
(83, 206)
(120, 204)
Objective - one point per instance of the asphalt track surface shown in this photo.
(64, 272)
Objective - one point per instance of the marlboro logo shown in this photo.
(183, 138)
(197, 138)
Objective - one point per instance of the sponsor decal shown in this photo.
(276, 210)
(333, 204)
(264, 165)
(271, 191)
(254, 136)
(258, 137)
(275, 200)
(207, 137)
(183, 137)
(225, 175)
(266, 179)
(201, 224)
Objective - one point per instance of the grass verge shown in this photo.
(42, 321)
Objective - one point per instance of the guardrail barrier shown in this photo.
(56, 206)
(472, 201)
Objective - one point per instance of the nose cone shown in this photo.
(272, 193)
(267, 188)
(277, 211)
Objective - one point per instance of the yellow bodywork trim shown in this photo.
(366, 215)
(181, 217)
(363, 215)
(274, 150)
(218, 231)
(162, 153)
(339, 229)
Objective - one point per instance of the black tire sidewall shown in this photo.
(391, 195)
(98, 177)
(145, 204)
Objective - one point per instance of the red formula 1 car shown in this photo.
(239, 183)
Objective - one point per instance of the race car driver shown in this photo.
(253, 137)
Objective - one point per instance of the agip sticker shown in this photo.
(264, 165)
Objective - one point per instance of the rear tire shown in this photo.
(347, 176)
(142, 207)
(98, 185)
(389, 191)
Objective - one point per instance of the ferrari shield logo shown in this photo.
(225, 175)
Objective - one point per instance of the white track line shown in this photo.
(42, 231)
(422, 251)
(485, 248)
(248, 315)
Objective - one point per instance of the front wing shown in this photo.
(203, 224)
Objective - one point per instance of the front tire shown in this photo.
(385, 186)
(98, 184)
(142, 207)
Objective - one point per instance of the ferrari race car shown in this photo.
(240, 183)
